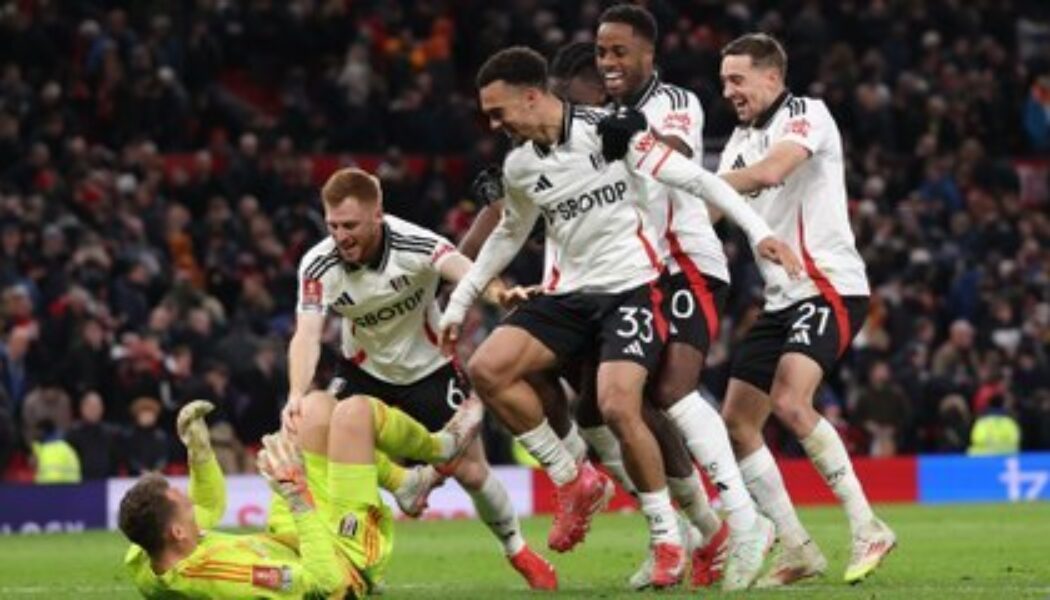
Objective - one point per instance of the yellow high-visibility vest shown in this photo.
(56, 462)
(995, 434)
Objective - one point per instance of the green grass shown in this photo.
(954, 552)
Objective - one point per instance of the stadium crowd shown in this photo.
(160, 173)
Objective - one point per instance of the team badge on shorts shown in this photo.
(272, 578)
(348, 526)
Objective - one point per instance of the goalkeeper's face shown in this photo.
(183, 527)
(512, 110)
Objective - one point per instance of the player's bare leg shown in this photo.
(705, 434)
(497, 370)
(495, 510)
(620, 388)
(797, 557)
(794, 385)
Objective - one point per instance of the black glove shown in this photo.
(487, 187)
(617, 130)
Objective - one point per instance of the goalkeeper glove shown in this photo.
(281, 465)
(617, 129)
(193, 431)
(487, 186)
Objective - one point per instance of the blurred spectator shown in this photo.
(263, 385)
(46, 403)
(18, 373)
(95, 441)
(995, 431)
(159, 172)
(1037, 114)
(54, 459)
(882, 410)
(229, 451)
(954, 428)
(145, 444)
(956, 362)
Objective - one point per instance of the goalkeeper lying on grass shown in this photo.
(329, 534)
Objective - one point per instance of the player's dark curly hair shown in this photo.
(145, 512)
(574, 60)
(517, 65)
(640, 20)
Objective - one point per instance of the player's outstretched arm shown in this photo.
(207, 484)
(653, 158)
(783, 158)
(519, 214)
(304, 351)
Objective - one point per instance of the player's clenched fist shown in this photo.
(780, 253)
(193, 431)
(617, 129)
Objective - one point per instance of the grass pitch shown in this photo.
(954, 552)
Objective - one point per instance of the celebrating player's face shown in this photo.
(507, 108)
(625, 60)
(355, 226)
(749, 88)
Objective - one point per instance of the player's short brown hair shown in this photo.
(517, 65)
(351, 182)
(145, 513)
(765, 51)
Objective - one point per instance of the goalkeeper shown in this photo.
(330, 536)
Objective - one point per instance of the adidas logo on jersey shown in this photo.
(634, 349)
(597, 161)
(739, 162)
(801, 336)
(542, 184)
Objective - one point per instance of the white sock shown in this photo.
(692, 500)
(607, 447)
(708, 441)
(691, 536)
(767, 486)
(574, 443)
(543, 444)
(828, 454)
(663, 522)
(494, 507)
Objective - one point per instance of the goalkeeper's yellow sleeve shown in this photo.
(207, 492)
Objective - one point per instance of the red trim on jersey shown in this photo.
(654, 260)
(555, 277)
(656, 296)
(696, 279)
(827, 290)
(430, 332)
(663, 159)
(359, 357)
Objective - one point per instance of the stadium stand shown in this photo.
(159, 171)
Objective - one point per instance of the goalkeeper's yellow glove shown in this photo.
(193, 431)
(281, 464)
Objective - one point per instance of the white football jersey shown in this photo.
(681, 221)
(808, 210)
(599, 240)
(388, 309)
